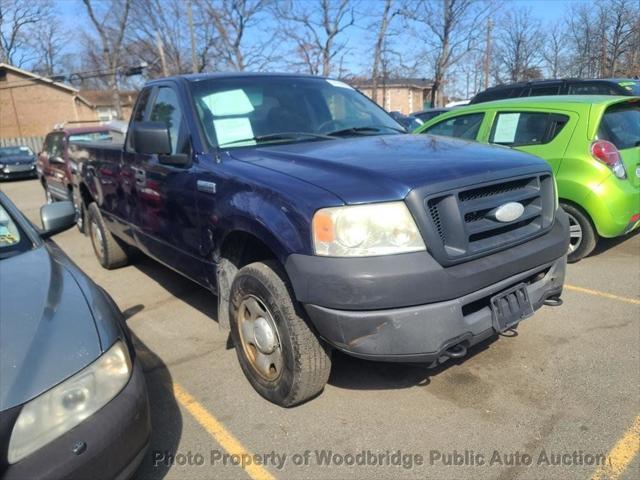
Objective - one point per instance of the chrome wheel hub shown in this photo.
(259, 338)
(575, 234)
(96, 237)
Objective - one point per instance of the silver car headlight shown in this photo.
(365, 230)
(58, 410)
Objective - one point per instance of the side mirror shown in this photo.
(57, 217)
(151, 138)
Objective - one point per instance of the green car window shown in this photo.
(620, 125)
(462, 126)
(526, 128)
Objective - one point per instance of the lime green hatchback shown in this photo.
(591, 142)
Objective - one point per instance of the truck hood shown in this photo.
(48, 331)
(385, 168)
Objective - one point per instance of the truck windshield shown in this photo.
(237, 112)
(621, 125)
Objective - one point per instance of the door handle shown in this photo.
(141, 177)
(206, 187)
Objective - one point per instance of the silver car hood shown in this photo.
(47, 331)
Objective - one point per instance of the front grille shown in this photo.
(18, 167)
(463, 224)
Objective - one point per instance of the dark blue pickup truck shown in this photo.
(320, 225)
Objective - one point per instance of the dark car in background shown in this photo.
(571, 86)
(410, 122)
(73, 399)
(17, 162)
(426, 115)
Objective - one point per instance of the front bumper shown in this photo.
(116, 438)
(11, 175)
(423, 333)
(408, 308)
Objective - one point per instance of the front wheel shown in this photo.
(280, 355)
(108, 249)
(582, 235)
(81, 218)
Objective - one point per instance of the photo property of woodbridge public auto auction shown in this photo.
(320, 239)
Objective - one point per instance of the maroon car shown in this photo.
(56, 167)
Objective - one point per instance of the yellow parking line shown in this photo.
(621, 454)
(217, 430)
(598, 293)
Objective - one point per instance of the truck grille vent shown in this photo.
(493, 190)
(435, 215)
(462, 225)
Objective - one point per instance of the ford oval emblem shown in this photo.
(508, 212)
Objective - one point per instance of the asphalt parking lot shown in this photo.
(566, 388)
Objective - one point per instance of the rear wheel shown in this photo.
(582, 235)
(108, 249)
(282, 358)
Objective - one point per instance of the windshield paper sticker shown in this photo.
(231, 102)
(233, 129)
(506, 128)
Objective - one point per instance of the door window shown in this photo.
(54, 145)
(463, 126)
(595, 88)
(526, 128)
(541, 90)
(166, 109)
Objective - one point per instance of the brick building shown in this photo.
(104, 103)
(30, 105)
(405, 95)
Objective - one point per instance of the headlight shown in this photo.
(1, 166)
(58, 410)
(365, 230)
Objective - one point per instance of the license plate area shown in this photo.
(510, 306)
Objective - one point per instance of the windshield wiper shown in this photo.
(363, 131)
(279, 136)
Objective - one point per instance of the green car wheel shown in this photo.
(582, 236)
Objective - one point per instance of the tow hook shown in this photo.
(553, 301)
(456, 351)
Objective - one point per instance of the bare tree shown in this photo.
(388, 14)
(49, 40)
(450, 29)
(111, 31)
(519, 45)
(316, 32)
(621, 19)
(17, 19)
(554, 50)
(158, 35)
(235, 22)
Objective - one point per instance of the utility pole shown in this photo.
(194, 59)
(487, 55)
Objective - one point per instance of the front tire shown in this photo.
(280, 355)
(81, 218)
(108, 249)
(582, 235)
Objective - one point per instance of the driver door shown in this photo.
(54, 168)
